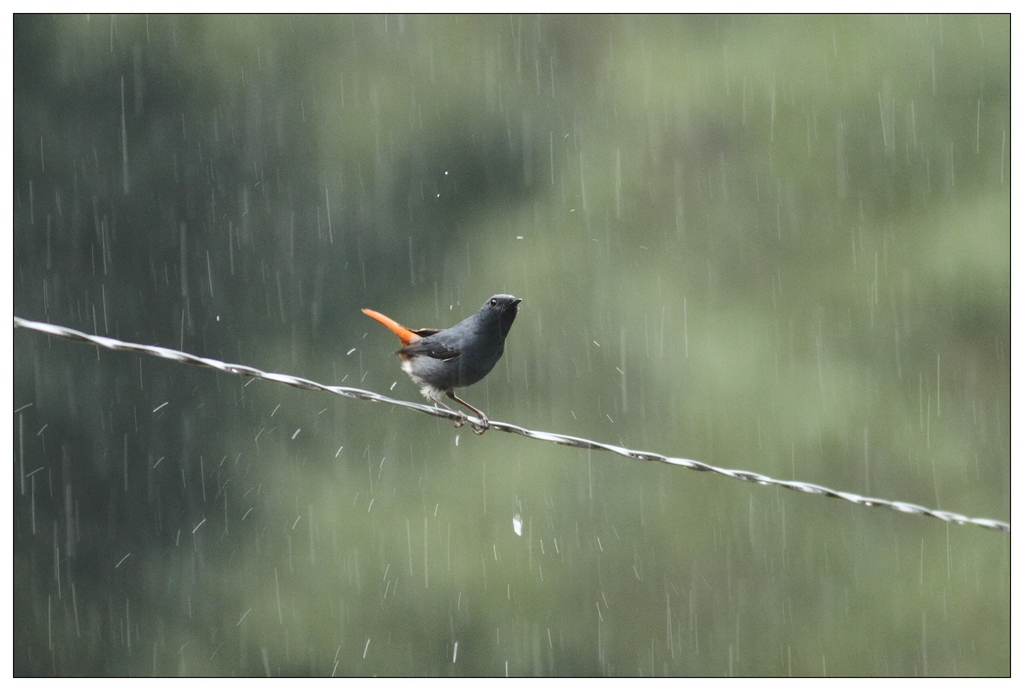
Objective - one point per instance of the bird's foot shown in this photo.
(484, 425)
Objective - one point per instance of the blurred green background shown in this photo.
(774, 244)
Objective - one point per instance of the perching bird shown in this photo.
(442, 360)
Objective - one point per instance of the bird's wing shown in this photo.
(430, 347)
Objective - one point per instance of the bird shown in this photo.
(442, 360)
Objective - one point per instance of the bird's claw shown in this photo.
(478, 428)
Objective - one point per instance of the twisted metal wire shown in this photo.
(564, 439)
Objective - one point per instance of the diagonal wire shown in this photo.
(564, 439)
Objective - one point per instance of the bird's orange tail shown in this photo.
(403, 333)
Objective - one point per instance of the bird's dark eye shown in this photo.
(494, 303)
